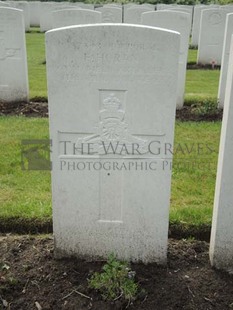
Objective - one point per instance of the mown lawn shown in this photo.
(201, 84)
(27, 193)
(194, 173)
(36, 65)
(22, 193)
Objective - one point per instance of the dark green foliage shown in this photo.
(116, 281)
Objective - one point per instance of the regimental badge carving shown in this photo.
(6, 52)
(215, 18)
(108, 17)
(113, 129)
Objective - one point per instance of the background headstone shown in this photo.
(35, 12)
(13, 60)
(210, 44)
(221, 243)
(24, 6)
(196, 23)
(4, 4)
(225, 60)
(180, 22)
(85, 6)
(132, 15)
(69, 17)
(46, 20)
(111, 84)
(110, 14)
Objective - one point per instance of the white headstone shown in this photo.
(221, 243)
(110, 14)
(178, 9)
(3, 4)
(13, 60)
(132, 15)
(180, 22)
(69, 17)
(35, 12)
(113, 5)
(196, 23)
(129, 5)
(148, 5)
(182, 8)
(228, 8)
(111, 89)
(225, 60)
(160, 6)
(210, 44)
(85, 6)
(24, 6)
(46, 20)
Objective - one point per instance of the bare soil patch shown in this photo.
(40, 109)
(35, 279)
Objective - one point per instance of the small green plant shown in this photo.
(207, 107)
(193, 47)
(6, 276)
(116, 281)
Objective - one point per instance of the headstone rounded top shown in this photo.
(8, 9)
(113, 25)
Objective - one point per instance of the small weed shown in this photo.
(207, 107)
(193, 47)
(116, 281)
(6, 276)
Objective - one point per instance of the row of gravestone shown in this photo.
(112, 100)
(11, 22)
(173, 20)
(207, 28)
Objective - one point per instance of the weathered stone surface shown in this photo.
(225, 60)
(35, 12)
(110, 14)
(221, 243)
(180, 22)
(24, 6)
(112, 91)
(132, 15)
(70, 17)
(210, 44)
(13, 60)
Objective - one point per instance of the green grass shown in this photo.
(22, 193)
(36, 66)
(201, 84)
(192, 56)
(193, 184)
(27, 193)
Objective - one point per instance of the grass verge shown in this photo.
(25, 196)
